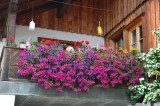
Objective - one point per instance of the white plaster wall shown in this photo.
(23, 33)
(2, 43)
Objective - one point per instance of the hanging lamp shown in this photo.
(99, 29)
(32, 23)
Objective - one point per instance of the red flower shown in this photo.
(10, 38)
(48, 42)
(78, 43)
(87, 42)
(116, 47)
(54, 42)
(81, 42)
(43, 40)
(75, 43)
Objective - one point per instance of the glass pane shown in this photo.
(133, 36)
(140, 32)
(134, 46)
(141, 46)
(119, 43)
(122, 44)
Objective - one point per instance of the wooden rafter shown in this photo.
(28, 5)
(62, 6)
(37, 10)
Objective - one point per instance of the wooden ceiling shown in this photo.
(25, 9)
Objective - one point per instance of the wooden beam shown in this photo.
(11, 20)
(28, 5)
(62, 6)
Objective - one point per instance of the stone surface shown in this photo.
(32, 94)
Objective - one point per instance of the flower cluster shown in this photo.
(11, 41)
(51, 66)
(150, 91)
(80, 43)
(151, 61)
(48, 42)
(152, 58)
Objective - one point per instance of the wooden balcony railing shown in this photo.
(9, 64)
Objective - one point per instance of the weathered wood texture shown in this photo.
(10, 65)
(11, 20)
(146, 11)
(85, 20)
(75, 19)
(119, 16)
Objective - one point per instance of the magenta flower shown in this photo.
(52, 66)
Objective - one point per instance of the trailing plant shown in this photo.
(51, 66)
(148, 91)
(152, 58)
(151, 61)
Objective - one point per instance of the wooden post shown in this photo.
(11, 21)
(126, 40)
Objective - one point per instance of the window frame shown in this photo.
(121, 42)
(138, 39)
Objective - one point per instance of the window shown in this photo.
(120, 43)
(136, 37)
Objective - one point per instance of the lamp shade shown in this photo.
(99, 29)
(32, 25)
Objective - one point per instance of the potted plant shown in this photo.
(11, 42)
(22, 44)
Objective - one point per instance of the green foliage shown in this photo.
(152, 59)
(150, 91)
(22, 42)
(35, 43)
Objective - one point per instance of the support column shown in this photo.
(11, 21)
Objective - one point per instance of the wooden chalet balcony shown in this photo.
(9, 65)
(14, 83)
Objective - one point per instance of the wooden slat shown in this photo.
(84, 20)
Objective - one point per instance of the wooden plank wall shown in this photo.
(85, 20)
(76, 19)
(147, 11)
(118, 14)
